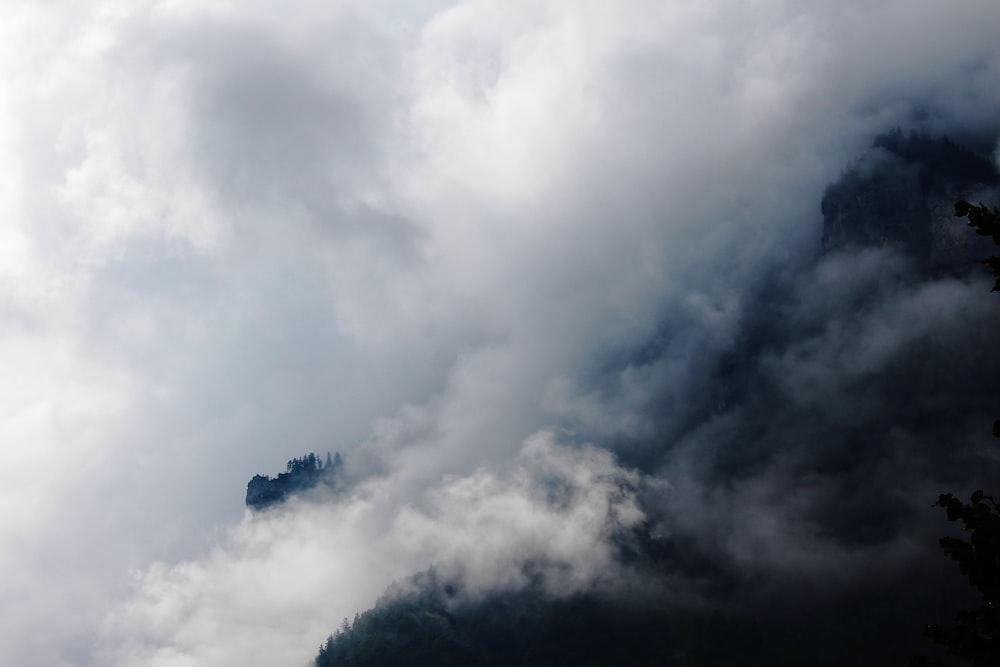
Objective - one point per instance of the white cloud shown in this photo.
(234, 232)
(283, 579)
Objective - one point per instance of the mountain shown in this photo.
(428, 623)
(902, 193)
(796, 528)
(301, 474)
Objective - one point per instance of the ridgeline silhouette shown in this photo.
(302, 474)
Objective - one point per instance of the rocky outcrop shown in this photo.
(902, 193)
(302, 474)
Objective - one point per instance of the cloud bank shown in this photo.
(233, 233)
(285, 577)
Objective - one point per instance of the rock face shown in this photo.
(301, 475)
(902, 193)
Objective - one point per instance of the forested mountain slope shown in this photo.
(842, 408)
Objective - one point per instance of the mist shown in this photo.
(485, 252)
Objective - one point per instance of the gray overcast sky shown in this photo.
(235, 232)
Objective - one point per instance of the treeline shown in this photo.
(301, 475)
(894, 196)
(941, 159)
(435, 627)
(510, 628)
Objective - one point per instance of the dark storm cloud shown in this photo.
(851, 399)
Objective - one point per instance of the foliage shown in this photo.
(300, 475)
(986, 223)
(511, 628)
(975, 637)
(976, 634)
(940, 158)
(442, 625)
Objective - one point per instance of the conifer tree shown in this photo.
(975, 636)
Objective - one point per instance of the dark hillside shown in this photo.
(806, 461)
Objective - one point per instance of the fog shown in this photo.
(476, 248)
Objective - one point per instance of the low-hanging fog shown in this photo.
(540, 271)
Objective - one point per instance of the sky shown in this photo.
(475, 247)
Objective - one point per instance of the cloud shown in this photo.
(860, 393)
(285, 577)
(235, 233)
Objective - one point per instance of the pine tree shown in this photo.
(975, 637)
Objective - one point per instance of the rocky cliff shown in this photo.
(902, 193)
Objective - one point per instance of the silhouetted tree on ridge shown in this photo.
(975, 636)
(300, 475)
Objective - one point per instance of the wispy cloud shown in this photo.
(233, 233)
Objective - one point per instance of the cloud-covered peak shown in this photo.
(420, 235)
